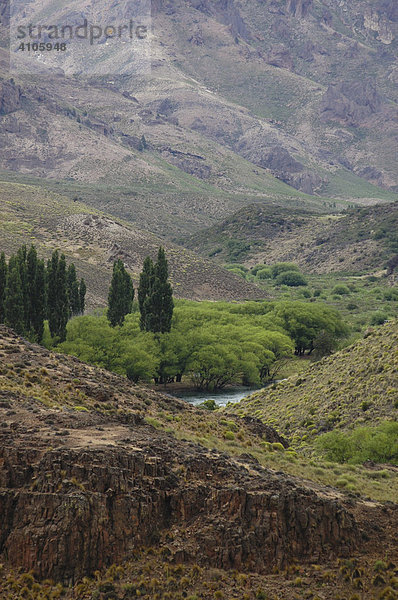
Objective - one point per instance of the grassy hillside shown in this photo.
(359, 239)
(76, 420)
(356, 386)
(93, 241)
(62, 383)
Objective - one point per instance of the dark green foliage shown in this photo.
(237, 250)
(143, 144)
(30, 292)
(341, 290)
(82, 295)
(305, 322)
(144, 291)
(378, 444)
(3, 284)
(378, 318)
(155, 295)
(324, 344)
(14, 301)
(61, 313)
(36, 284)
(38, 302)
(279, 268)
(73, 291)
(23, 273)
(121, 295)
(291, 278)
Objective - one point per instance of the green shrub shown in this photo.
(264, 273)
(340, 290)
(291, 279)
(378, 444)
(282, 267)
(378, 318)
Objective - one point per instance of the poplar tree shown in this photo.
(121, 295)
(155, 295)
(14, 302)
(57, 296)
(51, 277)
(144, 293)
(23, 272)
(82, 295)
(3, 284)
(38, 302)
(73, 291)
(62, 300)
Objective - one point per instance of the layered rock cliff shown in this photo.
(86, 478)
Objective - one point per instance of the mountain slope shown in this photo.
(360, 239)
(93, 241)
(243, 98)
(358, 385)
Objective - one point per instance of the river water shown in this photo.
(221, 398)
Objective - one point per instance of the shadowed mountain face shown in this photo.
(259, 99)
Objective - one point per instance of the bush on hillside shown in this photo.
(279, 268)
(378, 318)
(378, 444)
(340, 290)
(291, 279)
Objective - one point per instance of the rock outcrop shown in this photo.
(82, 487)
(299, 8)
(10, 97)
(67, 512)
(351, 103)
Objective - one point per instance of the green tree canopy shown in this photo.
(121, 294)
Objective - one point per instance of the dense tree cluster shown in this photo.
(211, 343)
(31, 292)
(155, 295)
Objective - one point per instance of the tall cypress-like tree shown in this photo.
(155, 295)
(31, 271)
(51, 283)
(23, 272)
(57, 296)
(62, 299)
(3, 285)
(14, 301)
(82, 296)
(73, 291)
(162, 296)
(121, 295)
(147, 277)
(38, 302)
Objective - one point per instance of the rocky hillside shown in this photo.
(94, 241)
(360, 239)
(110, 465)
(356, 386)
(245, 100)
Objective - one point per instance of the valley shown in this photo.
(199, 302)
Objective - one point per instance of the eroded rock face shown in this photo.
(66, 513)
(299, 8)
(80, 490)
(382, 19)
(10, 97)
(350, 103)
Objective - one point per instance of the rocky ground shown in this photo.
(88, 479)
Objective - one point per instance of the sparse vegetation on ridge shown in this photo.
(357, 386)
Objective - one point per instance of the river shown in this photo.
(221, 398)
